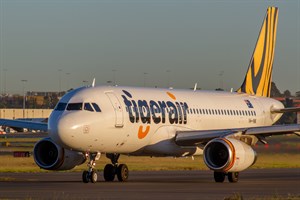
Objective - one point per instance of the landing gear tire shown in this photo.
(219, 177)
(85, 177)
(233, 177)
(93, 176)
(122, 173)
(109, 172)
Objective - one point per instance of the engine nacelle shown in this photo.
(228, 155)
(50, 156)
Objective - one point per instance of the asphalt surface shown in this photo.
(150, 185)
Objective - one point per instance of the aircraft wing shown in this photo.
(201, 137)
(24, 124)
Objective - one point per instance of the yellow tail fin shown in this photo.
(259, 75)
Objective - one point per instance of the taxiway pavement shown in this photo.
(150, 185)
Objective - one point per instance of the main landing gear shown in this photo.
(233, 177)
(111, 170)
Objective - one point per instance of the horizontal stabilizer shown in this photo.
(286, 110)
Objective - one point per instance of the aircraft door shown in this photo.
(117, 108)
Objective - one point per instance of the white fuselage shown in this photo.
(144, 121)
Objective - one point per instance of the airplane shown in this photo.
(115, 120)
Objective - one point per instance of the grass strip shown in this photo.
(12, 164)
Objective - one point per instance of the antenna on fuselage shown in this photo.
(195, 87)
(93, 83)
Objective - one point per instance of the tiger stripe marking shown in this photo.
(259, 75)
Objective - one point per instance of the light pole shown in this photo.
(24, 97)
(59, 79)
(221, 79)
(85, 82)
(114, 76)
(168, 77)
(67, 79)
(145, 77)
(4, 84)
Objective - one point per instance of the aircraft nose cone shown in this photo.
(63, 130)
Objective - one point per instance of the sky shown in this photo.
(57, 45)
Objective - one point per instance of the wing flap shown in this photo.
(24, 124)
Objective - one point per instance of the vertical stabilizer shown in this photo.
(259, 75)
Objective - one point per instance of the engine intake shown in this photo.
(50, 156)
(228, 155)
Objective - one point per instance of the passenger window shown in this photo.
(61, 106)
(88, 107)
(74, 106)
(96, 107)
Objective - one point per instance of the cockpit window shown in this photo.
(96, 107)
(61, 106)
(88, 107)
(74, 106)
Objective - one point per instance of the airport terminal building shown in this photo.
(15, 113)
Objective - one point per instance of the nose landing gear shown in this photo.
(110, 170)
(91, 174)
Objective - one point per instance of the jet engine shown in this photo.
(228, 155)
(50, 156)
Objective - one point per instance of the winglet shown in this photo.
(259, 75)
(94, 81)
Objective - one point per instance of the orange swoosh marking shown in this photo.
(142, 133)
(172, 96)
